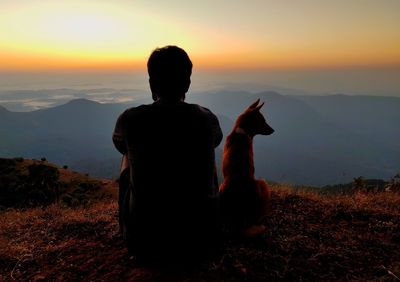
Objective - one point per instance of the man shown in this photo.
(169, 204)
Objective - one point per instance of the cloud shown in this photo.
(29, 100)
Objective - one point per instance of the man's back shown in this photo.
(170, 147)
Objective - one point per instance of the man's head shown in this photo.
(169, 69)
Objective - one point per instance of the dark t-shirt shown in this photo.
(173, 186)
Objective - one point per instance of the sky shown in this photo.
(267, 34)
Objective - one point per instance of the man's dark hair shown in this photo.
(169, 69)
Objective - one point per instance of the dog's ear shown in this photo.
(259, 106)
(254, 105)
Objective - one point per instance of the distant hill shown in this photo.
(317, 141)
(320, 140)
(368, 116)
(76, 134)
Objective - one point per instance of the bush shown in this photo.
(39, 187)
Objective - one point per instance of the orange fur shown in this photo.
(244, 199)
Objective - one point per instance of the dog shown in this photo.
(244, 200)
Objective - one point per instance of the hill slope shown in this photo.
(309, 237)
(28, 183)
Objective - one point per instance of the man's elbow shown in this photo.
(119, 145)
(218, 136)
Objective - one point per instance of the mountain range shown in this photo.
(318, 140)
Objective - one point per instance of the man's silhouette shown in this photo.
(169, 202)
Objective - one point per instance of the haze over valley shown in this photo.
(318, 140)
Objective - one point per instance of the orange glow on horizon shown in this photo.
(120, 35)
(15, 61)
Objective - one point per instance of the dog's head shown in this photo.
(253, 122)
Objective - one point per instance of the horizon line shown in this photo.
(394, 66)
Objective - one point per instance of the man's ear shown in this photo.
(187, 85)
(153, 90)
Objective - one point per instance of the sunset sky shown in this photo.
(285, 34)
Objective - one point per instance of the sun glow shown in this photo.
(83, 28)
(120, 34)
(73, 34)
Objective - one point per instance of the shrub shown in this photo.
(43, 185)
(39, 187)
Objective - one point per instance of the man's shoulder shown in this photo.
(154, 109)
(135, 110)
(202, 110)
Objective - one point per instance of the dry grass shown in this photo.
(309, 237)
(52, 238)
(383, 202)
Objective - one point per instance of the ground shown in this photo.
(309, 237)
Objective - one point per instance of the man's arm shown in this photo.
(119, 134)
(215, 127)
(216, 130)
